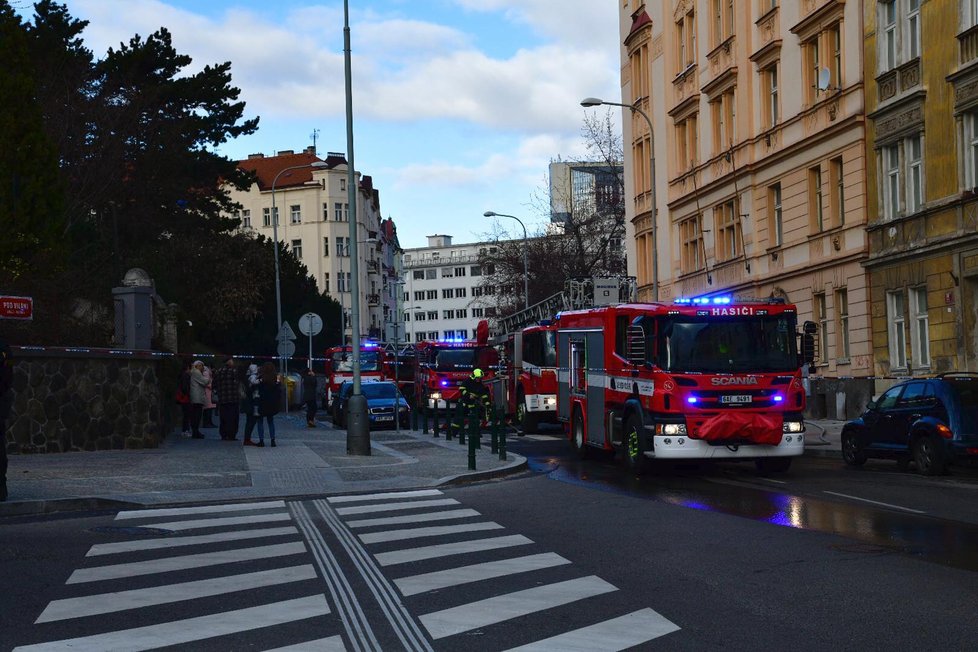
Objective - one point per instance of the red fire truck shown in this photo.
(398, 366)
(526, 386)
(339, 367)
(441, 366)
(704, 378)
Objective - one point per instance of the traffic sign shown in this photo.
(310, 324)
(285, 333)
(16, 307)
(286, 349)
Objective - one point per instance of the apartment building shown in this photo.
(315, 225)
(758, 149)
(442, 293)
(922, 148)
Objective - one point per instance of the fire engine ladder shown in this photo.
(577, 294)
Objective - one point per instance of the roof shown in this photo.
(268, 167)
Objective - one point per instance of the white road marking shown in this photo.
(608, 636)
(198, 524)
(477, 573)
(91, 605)
(467, 617)
(206, 509)
(875, 502)
(176, 542)
(393, 507)
(331, 644)
(169, 564)
(414, 518)
(445, 549)
(396, 494)
(420, 532)
(192, 629)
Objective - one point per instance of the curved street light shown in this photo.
(526, 274)
(588, 102)
(278, 282)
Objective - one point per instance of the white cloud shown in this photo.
(587, 23)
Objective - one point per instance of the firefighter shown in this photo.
(473, 398)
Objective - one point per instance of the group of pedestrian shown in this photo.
(255, 392)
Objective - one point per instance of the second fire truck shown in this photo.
(525, 388)
(440, 367)
(339, 367)
(706, 378)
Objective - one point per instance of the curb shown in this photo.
(60, 505)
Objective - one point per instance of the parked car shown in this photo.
(929, 421)
(383, 400)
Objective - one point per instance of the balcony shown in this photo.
(373, 267)
(373, 299)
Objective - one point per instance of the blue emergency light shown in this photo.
(720, 300)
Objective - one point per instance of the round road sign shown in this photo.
(310, 324)
(286, 349)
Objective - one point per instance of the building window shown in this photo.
(419, 295)
(835, 40)
(888, 22)
(729, 236)
(459, 271)
(266, 219)
(431, 295)
(475, 270)
(842, 323)
(447, 272)
(773, 103)
(246, 218)
(815, 199)
(915, 181)
(448, 293)
(326, 247)
(432, 315)
(891, 189)
(460, 293)
(913, 29)
(341, 212)
(812, 55)
(342, 246)
(686, 40)
(448, 314)
(920, 327)
(971, 148)
(476, 291)
(724, 121)
(342, 184)
(838, 196)
(295, 212)
(687, 144)
(477, 312)
(691, 236)
(461, 313)
(419, 316)
(430, 274)
(821, 318)
(418, 275)
(325, 212)
(895, 310)
(721, 21)
(326, 282)
(776, 219)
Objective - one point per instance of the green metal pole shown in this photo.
(424, 418)
(473, 443)
(495, 431)
(435, 429)
(474, 429)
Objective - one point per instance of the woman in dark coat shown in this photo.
(269, 399)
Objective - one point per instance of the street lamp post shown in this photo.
(358, 428)
(526, 274)
(278, 283)
(593, 101)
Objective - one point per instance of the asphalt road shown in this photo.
(572, 553)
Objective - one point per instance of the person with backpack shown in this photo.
(269, 402)
(226, 388)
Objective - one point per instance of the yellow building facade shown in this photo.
(759, 157)
(922, 144)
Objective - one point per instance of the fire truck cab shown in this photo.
(706, 378)
(339, 367)
(526, 385)
(441, 367)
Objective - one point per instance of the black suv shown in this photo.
(930, 421)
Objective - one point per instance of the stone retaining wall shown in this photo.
(73, 401)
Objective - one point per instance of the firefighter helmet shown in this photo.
(477, 373)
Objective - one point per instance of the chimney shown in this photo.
(251, 156)
(286, 152)
(310, 150)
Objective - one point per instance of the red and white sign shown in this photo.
(16, 307)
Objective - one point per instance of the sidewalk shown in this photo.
(306, 462)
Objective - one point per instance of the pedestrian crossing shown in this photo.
(412, 570)
(485, 579)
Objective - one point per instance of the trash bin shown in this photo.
(293, 384)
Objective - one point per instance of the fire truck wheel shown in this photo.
(578, 439)
(528, 422)
(773, 464)
(632, 448)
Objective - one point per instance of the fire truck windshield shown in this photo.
(343, 361)
(740, 344)
(454, 359)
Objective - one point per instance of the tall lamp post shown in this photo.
(526, 274)
(357, 428)
(278, 282)
(593, 101)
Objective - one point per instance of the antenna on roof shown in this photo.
(315, 133)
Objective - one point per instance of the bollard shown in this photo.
(502, 447)
(414, 419)
(473, 444)
(450, 428)
(435, 428)
(474, 433)
(495, 432)
(424, 418)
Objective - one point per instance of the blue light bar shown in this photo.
(444, 383)
(704, 301)
(692, 399)
(778, 398)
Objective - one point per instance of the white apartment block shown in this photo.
(442, 294)
(313, 203)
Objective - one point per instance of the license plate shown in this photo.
(736, 398)
(385, 418)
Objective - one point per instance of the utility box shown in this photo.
(134, 311)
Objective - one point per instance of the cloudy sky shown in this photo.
(459, 105)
